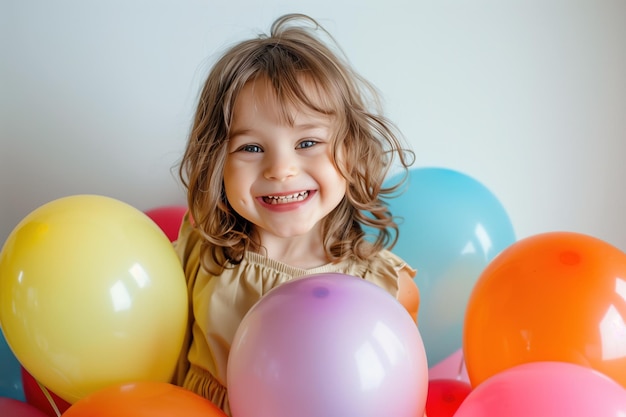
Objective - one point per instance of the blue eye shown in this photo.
(306, 144)
(251, 148)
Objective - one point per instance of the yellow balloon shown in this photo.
(92, 294)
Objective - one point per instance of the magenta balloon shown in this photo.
(327, 345)
(546, 389)
(11, 407)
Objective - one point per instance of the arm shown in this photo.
(408, 293)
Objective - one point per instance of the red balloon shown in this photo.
(445, 396)
(144, 399)
(169, 219)
(10, 407)
(36, 398)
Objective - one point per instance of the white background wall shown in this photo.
(528, 97)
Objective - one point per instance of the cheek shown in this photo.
(238, 189)
(335, 182)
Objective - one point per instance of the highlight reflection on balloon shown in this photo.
(452, 226)
(91, 293)
(556, 296)
(328, 345)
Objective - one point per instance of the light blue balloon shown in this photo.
(451, 227)
(10, 373)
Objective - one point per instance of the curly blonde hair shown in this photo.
(368, 143)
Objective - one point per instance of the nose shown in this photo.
(280, 166)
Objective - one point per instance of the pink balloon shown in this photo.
(169, 219)
(452, 367)
(10, 407)
(329, 345)
(546, 389)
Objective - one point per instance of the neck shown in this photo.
(304, 252)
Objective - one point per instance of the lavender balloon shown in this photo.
(329, 345)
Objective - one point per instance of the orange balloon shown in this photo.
(143, 399)
(557, 296)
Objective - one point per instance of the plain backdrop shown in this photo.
(527, 97)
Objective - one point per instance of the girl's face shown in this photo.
(280, 177)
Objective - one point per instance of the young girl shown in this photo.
(284, 167)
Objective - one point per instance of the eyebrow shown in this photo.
(239, 132)
(311, 126)
(303, 126)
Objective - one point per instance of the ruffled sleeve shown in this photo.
(383, 269)
(398, 263)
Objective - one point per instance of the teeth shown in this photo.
(283, 199)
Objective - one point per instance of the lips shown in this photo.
(287, 198)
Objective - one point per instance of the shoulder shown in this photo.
(187, 235)
(381, 268)
(386, 262)
(193, 249)
(188, 241)
(188, 247)
(392, 273)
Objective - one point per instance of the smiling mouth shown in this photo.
(285, 199)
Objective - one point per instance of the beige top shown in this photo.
(218, 303)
